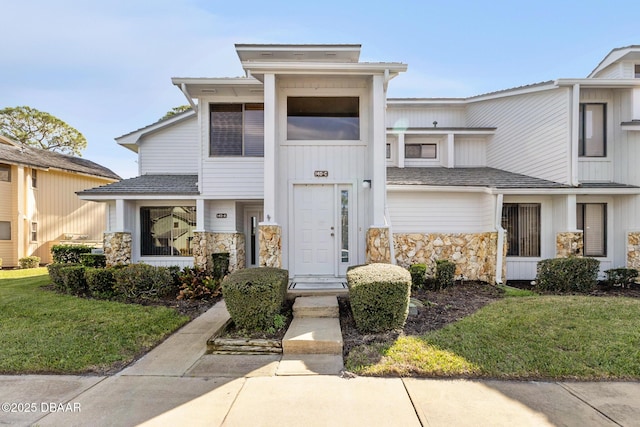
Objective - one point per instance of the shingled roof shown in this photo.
(466, 177)
(17, 154)
(149, 184)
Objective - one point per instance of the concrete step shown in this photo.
(316, 306)
(313, 335)
(310, 364)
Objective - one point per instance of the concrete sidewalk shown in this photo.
(177, 384)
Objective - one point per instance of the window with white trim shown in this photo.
(323, 118)
(34, 178)
(591, 218)
(167, 230)
(637, 71)
(34, 231)
(522, 222)
(593, 130)
(421, 151)
(237, 130)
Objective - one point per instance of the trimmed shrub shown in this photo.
(74, 281)
(379, 295)
(29, 262)
(624, 277)
(566, 275)
(56, 275)
(197, 283)
(418, 276)
(68, 254)
(100, 282)
(220, 265)
(255, 296)
(445, 272)
(93, 260)
(142, 281)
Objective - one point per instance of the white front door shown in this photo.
(321, 234)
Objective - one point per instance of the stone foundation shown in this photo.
(117, 248)
(270, 238)
(474, 254)
(633, 250)
(206, 243)
(378, 245)
(569, 243)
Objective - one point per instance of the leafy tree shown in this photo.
(29, 126)
(176, 110)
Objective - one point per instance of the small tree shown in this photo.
(175, 111)
(34, 128)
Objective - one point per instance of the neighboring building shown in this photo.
(39, 206)
(305, 164)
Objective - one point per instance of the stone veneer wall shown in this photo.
(474, 254)
(206, 243)
(117, 248)
(270, 239)
(633, 250)
(378, 245)
(569, 243)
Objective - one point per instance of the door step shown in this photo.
(315, 328)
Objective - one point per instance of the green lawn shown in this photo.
(45, 332)
(535, 337)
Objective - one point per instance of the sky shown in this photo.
(105, 68)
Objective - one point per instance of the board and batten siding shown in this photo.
(600, 169)
(470, 152)
(59, 211)
(173, 150)
(533, 135)
(399, 116)
(8, 212)
(424, 212)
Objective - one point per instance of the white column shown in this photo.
(120, 211)
(571, 212)
(450, 152)
(636, 104)
(401, 150)
(378, 141)
(270, 149)
(575, 131)
(200, 215)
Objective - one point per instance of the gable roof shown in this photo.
(18, 154)
(148, 184)
(631, 53)
(131, 139)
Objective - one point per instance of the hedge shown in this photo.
(143, 281)
(379, 295)
(567, 275)
(100, 282)
(255, 296)
(68, 254)
(73, 278)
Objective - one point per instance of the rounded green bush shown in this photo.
(379, 296)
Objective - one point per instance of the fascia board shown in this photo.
(600, 83)
(319, 67)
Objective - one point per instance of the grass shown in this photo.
(45, 332)
(530, 337)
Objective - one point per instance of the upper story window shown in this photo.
(593, 130)
(421, 151)
(237, 130)
(34, 178)
(328, 118)
(637, 71)
(5, 173)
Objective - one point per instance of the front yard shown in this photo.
(518, 337)
(45, 332)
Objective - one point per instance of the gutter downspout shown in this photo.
(183, 88)
(575, 132)
(501, 231)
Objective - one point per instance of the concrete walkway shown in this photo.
(177, 384)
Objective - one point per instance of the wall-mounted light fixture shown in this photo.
(366, 183)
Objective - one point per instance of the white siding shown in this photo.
(424, 116)
(533, 133)
(423, 212)
(173, 150)
(226, 225)
(233, 177)
(595, 169)
(613, 71)
(470, 151)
